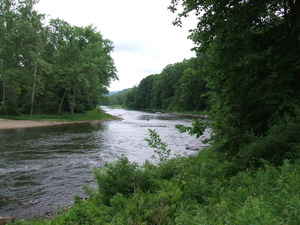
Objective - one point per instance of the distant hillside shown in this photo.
(117, 92)
(113, 93)
(116, 97)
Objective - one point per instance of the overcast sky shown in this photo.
(142, 33)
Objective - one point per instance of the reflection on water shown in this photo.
(43, 167)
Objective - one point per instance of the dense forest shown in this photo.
(253, 73)
(179, 87)
(248, 72)
(50, 67)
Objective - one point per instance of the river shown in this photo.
(42, 168)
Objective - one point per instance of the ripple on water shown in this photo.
(41, 168)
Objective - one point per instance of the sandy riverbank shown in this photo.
(17, 124)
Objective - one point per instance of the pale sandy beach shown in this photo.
(16, 124)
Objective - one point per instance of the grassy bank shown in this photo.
(96, 114)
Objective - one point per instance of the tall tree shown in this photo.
(21, 39)
(59, 65)
(34, 39)
(84, 66)
(193, 91)
(144, 92)
(253, 65)
(9, 56)
(179, 86)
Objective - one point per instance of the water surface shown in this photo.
(41, 168)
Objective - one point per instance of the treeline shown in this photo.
(253, 72)
(50, 68)
(248, 68)
(179, 87)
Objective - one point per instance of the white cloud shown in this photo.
(142, 32)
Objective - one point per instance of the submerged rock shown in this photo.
(192, 148)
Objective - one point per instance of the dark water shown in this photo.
(41, 168)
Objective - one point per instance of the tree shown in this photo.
(192, 91)
(20, 26)
(45, 67)
(34, 39)
(144, 92)
(84, 66)
(171, 75)
(8, 50)
(130, 98)
(192, 88)
(253, 66)
(157, 88)
(179, 86)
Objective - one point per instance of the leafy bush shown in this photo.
(123, 177)
(116, 177)
(160, 148)
(281, 142)
(79, 108)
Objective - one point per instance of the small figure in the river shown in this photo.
(148, 119)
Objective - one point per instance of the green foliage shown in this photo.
(118, 178)
(79, 108)
(252, 73)
(50, 68)
(130, 98)
(179, 86)
(92, 115)
(280, 142)
(193, 91)
(197, 128)
(117, 99)
(122, 177)
(160, 148)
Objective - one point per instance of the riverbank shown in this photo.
(6, 124)
(31, 121)
(18, 124)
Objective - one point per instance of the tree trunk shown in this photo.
(72, 104)
(33, 88)
(3, 97)
(72, 107)
(61, 102)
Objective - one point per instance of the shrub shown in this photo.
(116, 177)
(79, 108)
(281, 142)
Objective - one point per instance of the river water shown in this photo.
(42, 168)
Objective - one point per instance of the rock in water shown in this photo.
(192, 148)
